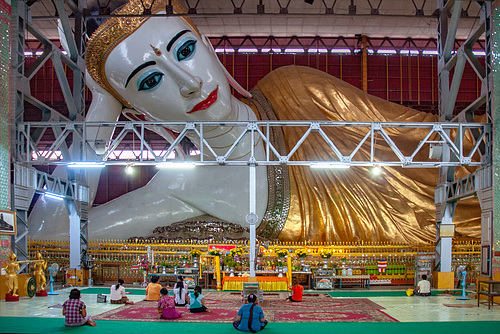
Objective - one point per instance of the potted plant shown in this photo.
(281, 252)
(238, 251)
(279, 264)
(195, 254)
(215, 252)
(325, 253)
(164, 266)
(146, 266)
(231, 264)
(184, 259)
(302, 254)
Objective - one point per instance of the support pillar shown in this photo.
(5, 12)
(74, 235)
(495, 107)
(5, 90)
(252, 217)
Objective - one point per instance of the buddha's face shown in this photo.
(165, 70)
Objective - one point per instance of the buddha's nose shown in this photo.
(191, 87)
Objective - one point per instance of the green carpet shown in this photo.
(379, 293)
(105, 291)
(51, 325)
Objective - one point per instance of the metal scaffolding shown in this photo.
(75, 102)
(62, 140)
(450, 69)
(374, 137)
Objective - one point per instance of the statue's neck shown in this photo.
(223, 137)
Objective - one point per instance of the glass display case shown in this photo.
(323, 279)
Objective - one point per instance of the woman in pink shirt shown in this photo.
(166, 306)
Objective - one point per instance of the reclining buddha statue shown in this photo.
(163, 69)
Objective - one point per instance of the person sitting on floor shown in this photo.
(153, 289)
(297, 291)
(250, 317)
(166, 306)
(180, 292)
(196, 301)
(75, 311)
(423, 288)
(117, 294)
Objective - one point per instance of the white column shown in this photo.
(446, 255)
(252, 217)
(74, 235)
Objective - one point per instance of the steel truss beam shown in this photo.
(74, 96)
(376, 135)
(384, 8)
(29, 181)
(270, 44)
(332, 44)
(450, 190)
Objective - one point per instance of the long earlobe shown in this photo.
(104, 108)
(229, 77)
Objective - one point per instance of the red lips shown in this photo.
(207, 102)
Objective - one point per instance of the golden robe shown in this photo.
(352, 205)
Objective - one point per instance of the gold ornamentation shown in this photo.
(11, 275)
(278, 200)
(114, 30)
(39, 272)
(156, 50)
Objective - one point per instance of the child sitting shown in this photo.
(166, 306)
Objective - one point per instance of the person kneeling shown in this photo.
(250, 317)
(166, 306)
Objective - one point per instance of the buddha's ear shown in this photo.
(104, 108)
(229, 77)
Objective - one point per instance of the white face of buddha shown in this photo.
(165, 70)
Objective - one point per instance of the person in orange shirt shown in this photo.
(153, 289)
(297, 291)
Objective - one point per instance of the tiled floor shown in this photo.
(420, 309)
(404, 309)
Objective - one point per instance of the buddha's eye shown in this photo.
(186, 50)
(149, 81)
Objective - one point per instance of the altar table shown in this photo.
(266, 283)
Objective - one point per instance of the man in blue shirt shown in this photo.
(250, 317)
